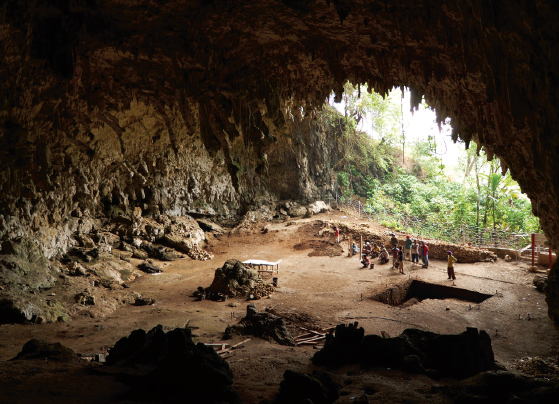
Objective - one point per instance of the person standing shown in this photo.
(451, 261)
(393, 240)
(424, 254)
(415, 252)
(395, 252)
(401, 260)
(407, 248)
(337, 233)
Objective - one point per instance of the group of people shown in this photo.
(412, 250)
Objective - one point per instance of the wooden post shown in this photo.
(361, 246)
(349, 253)
(533, 247)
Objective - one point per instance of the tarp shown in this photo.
(261, 262)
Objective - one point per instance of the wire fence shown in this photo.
(455, 233)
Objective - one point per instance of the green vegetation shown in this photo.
(371, 168)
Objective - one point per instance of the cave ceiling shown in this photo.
(232, 68)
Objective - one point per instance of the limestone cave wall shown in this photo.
(204, 106)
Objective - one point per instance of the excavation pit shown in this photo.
(414, 291)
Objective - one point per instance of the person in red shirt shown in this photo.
(365, 261)
(337, 234)
(395, 252)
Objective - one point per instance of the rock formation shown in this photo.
(261, 324)
(174, 368)
(234, 279)
(414, 351)
(205, 107)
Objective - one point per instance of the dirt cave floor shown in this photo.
(315, 291)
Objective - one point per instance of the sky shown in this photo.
(420, 125)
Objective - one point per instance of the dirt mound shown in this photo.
(322, 248)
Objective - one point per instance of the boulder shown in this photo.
(172, 368)
(85, 298)
(209, 226)
(105, 237)
(319, 207)
(540, 282)
(263, 325)
(297, 210)
(233, 279)
(317, 388)
(77, 269)
(85, 241)
(504, 387)
(43, 350)
(179, 242)
(458, 356)
(149, 268)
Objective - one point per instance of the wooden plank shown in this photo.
(304, 336)
(240, 343)
(311, 331)
(317, 338)
(220, 345)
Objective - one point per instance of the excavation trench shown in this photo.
(414, 291)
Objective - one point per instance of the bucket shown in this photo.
(372, 265)
(275, 282)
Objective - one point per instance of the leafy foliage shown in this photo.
(368, 166)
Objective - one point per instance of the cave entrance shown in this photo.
(414, 291)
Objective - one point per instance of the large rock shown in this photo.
(319, 207)
(43, 350)
(261, 324)
(233, 279)
(24, 272)
(458, 356)
(299, 388)
(169, 367)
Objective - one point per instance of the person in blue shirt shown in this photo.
(354, 249)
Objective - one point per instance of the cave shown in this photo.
(206, 108)
(414, 291)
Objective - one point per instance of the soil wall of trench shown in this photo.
(205, 107)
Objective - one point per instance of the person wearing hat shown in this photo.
(451, 261)
(424, 254)
(407, 248)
